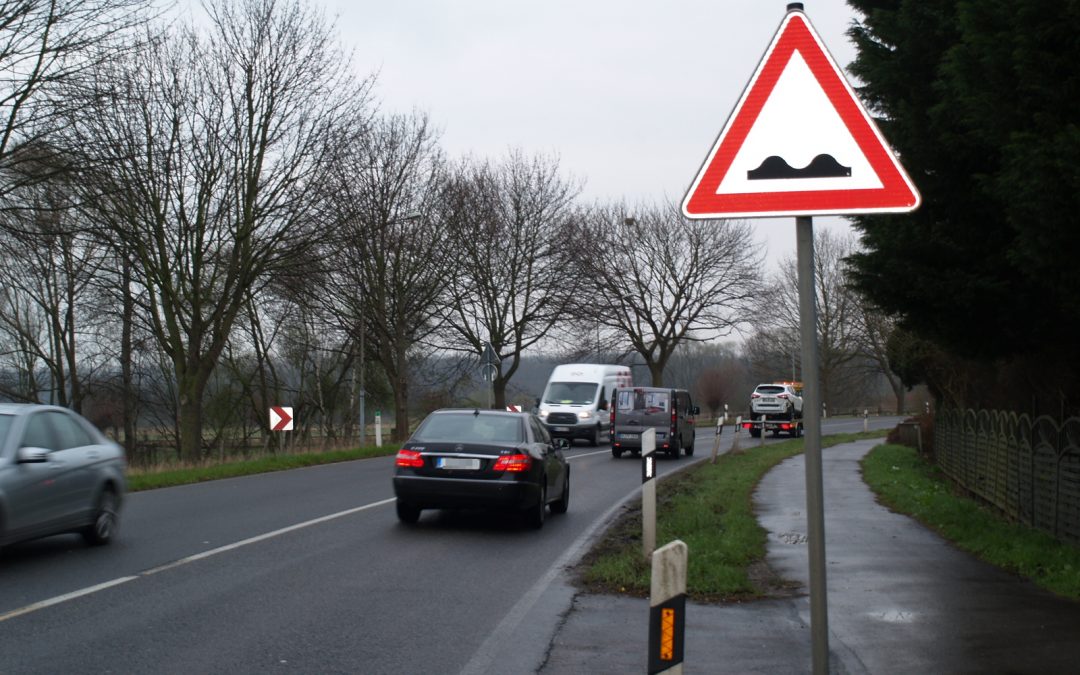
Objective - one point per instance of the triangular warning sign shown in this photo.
(799, 142)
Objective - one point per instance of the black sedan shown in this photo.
(486, 459)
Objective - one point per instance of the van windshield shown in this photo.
(571, 393)
(642, 401)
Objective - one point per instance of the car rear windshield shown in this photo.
(571, 393)
(642, 401)
(770, 389)
(471, 428)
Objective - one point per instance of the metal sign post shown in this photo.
(800, 143)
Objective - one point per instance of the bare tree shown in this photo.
(387, 268)
(839, 309)
(668, 280)
(203, 155)
(851, 335)
(47, 274)
(513, 244)
(875, 331)
(47, 46)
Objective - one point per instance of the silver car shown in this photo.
(58, 474)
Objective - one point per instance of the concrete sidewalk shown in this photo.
(900, 600)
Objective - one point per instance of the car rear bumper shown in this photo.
(460, 493)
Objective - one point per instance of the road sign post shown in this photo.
(800, 143)
(815, 503)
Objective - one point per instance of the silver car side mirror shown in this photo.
(31, 455)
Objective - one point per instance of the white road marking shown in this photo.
(184, 561)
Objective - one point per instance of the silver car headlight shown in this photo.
(543, 414)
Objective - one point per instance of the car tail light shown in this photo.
(409, 459)
(755, 395)
(784, 396)
(513, 463)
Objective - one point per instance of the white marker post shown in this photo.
(667, 608)
(648, 491)
(716, 443)
(378, 428)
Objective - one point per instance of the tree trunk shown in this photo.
(656, 374)
(899, 391)
(401, 395)
(191, 422)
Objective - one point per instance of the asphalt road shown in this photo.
(309, 571)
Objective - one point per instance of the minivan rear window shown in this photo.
(642, 401)
(771, 389)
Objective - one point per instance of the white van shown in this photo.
(577, 397)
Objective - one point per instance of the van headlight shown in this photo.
(584, 415)
(543, 414)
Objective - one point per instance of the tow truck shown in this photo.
(776, 407)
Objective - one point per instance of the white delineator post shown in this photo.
(716, 443)
(648, 491)
(667, 608)
(378, 428)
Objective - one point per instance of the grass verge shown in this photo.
(710, 508)
(158, 479)
(907, 484)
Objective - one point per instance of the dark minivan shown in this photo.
(670, 411)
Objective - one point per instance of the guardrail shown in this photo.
(1028, 468)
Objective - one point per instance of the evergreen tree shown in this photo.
(980, 100)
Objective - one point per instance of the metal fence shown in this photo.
(1028, 468)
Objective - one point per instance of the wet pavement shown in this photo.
(900, 600)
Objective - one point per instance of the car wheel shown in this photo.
(407, 513)
(616, 453)
(690, 448)
(594, 437)
(103, 528)
(564, 501)
(534, 515)
(755, 433)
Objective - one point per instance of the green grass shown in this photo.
(909, 485)
(184, 476)
(710, 508)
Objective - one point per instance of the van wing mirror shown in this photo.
(695, 410)
(602, 406)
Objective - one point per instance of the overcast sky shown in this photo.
(630, 94)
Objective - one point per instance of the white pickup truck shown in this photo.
(776, 407)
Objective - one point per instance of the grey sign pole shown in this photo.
(815, 505)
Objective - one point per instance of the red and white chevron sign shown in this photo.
(281, 418)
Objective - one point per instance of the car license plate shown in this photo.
(457, 463)
(623, 434)
(562, 428)
(768, 399)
